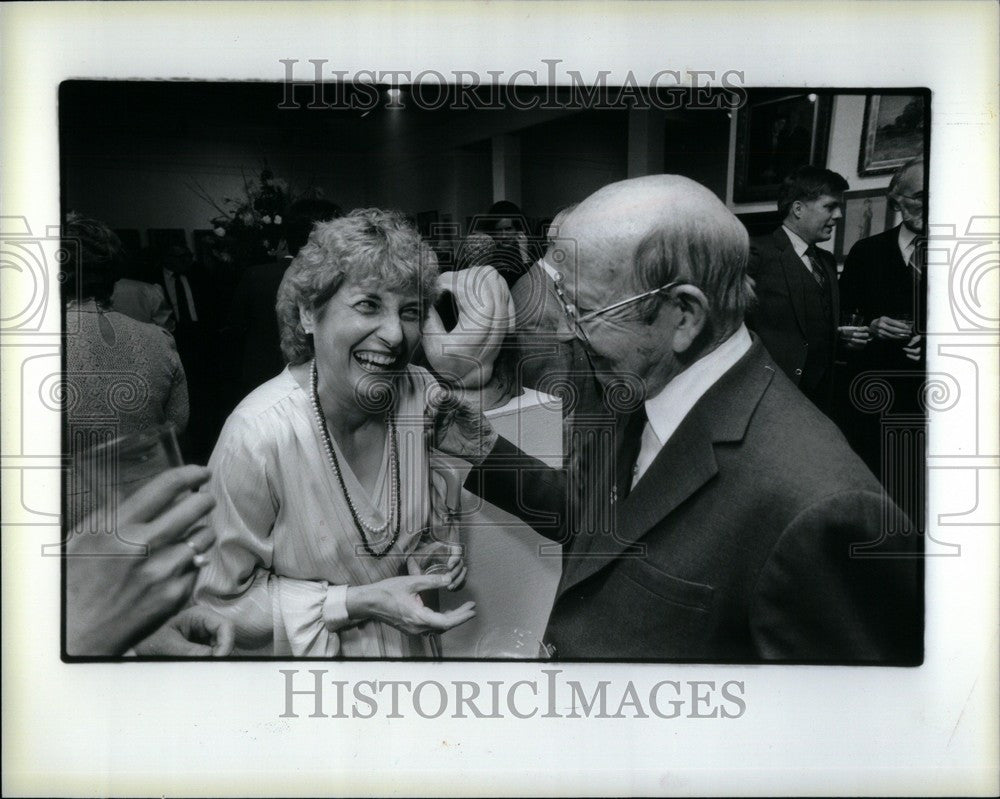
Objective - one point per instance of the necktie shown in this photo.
(628, 450)
(817, 268)
(918, 257)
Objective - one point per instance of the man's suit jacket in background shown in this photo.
(878, 282)
(802, 345)
(753, 536)
(198, 346)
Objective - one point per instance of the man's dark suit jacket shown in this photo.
(197, 346)
(780, 317)
(878, 282)
(736, 544)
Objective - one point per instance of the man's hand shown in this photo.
(114, 595)
(853, 337)
(914, 348)
(886, 328)
(464, 356)
(196, 631)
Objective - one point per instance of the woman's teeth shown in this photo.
(374, 362)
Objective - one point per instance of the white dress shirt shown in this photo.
(800, 247)
(667, 410)
(168, 281)
(907, 243)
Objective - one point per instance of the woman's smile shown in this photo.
(376, 362)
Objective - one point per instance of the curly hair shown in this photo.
(367, 244)
(99, 259)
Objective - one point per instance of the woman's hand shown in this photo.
(396, 601)
(114, 594)
(454, 568)
(196, 631)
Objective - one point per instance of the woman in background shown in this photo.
(122, 376)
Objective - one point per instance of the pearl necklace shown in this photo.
(331, 455)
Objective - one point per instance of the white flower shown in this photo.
(277, 219)
(266, 219)
(220, 231)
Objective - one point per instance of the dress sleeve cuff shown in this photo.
(335, 608)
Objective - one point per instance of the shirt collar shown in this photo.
(668, 408)
(797, 243)
(906, 237)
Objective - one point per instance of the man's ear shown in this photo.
(692, 306)
(796, 209)
(308, 319)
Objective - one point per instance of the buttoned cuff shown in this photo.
(335, 608)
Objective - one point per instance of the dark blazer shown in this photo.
(736, 544)
(878, 282)
(779, 318)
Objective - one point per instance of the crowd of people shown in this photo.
(708, 507)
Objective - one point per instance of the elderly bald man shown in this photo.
(731, 522)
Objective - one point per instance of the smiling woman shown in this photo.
(323, 475)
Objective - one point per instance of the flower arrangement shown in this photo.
(249, 229)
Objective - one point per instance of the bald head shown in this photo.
(640, 234)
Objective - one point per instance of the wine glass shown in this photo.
(512, 643)
(105, 474)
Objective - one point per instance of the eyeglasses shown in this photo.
(576, 319)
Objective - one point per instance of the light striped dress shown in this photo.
(285, 536)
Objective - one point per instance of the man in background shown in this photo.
(796, 282)
(194, 306)
(885, 285)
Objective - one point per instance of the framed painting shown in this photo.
(892, 133)
(866, 213)
(777, 132)
(760, 223)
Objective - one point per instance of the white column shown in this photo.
(507, 168)
(646, 130)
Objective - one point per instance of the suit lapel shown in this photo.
(684, 464)
(795, 272)
(829, 265)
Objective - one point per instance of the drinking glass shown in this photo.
(512, 643)
(432, 558)
(105, 474)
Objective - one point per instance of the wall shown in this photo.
(564, 160)
(147, 184)
(842, 156)
(697, 145)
